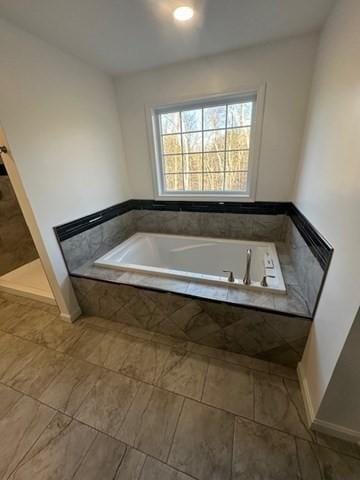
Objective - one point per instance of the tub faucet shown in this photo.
(246, 279)
(263, 282)
(231, 277)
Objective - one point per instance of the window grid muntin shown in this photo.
(225, 144)
(203, 106)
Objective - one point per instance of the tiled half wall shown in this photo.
(277, 338)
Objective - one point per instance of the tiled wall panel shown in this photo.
(277, 338)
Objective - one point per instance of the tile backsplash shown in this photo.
(223, 225)
(307, 268)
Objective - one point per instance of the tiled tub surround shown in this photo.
(277, 338)
(87, 239)
(82, 249)
(309, 272)
(92, 243)
(271, 228)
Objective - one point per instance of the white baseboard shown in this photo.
(309, 409)
(317, 424)
(26, 292)
(336, 431)
(70, 317)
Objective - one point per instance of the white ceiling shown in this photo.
(121, 36)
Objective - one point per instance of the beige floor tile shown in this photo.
(59, 335)
(15, 355)
(203, 442)
(20, 428)
(279, 406)
(184, 373)
(145, 361)
(131, 465)
(36, 375)
(58, 452)
(230, 387)
(118, 352)
(8, 398)
(11, 315)
(263, 453)
(102, 460)
(320, 463)
(101, 351)
(85, 345)
(68, 389)
(108, 402)
(151, 421)
(33, 324)
(155, 470)
(338, 444)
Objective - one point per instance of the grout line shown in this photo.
(142, 468)
(254, 400)
(175, 430)
(205, 380)
(115, 476)
(233, 449)
(85, 454)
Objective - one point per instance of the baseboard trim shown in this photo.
(71, 317)
(317, 424)
(30, 293)
(309, 408)
(336, 431)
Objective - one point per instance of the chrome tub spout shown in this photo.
(247, 279)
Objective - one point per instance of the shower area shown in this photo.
(21, 271)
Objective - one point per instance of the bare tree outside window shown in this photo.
(206, 149)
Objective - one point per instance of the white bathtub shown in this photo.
(197, 259)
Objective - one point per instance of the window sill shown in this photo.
(206, 198)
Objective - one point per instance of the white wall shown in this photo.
(328, 193)
(285, 66)
(62, 124)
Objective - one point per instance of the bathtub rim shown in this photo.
(199, 278)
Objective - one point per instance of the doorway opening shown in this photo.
(21, 270)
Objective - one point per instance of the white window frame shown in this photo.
(152, 113)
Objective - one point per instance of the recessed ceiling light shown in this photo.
(183, 14)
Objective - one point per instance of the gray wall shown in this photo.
(343, 392)
(16, 245)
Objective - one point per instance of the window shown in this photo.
(205, 148)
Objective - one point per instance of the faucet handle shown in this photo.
(231, 277)
(263, 282)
